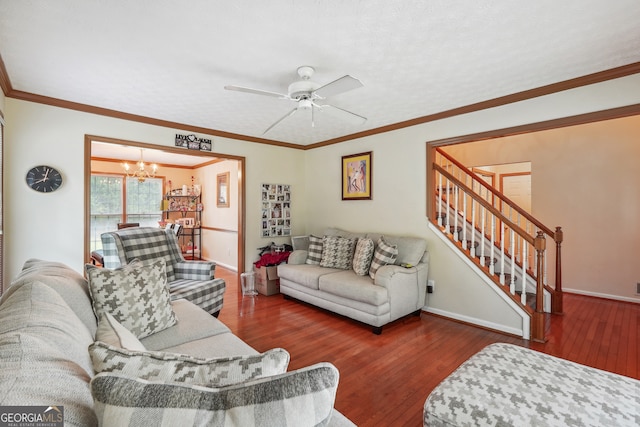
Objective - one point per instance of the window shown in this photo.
(116, 199)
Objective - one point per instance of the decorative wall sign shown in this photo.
(356, 176)
(276, 210)
(193, 142)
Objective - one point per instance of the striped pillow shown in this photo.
(300, 398)
(362, 256)
(385, 254)
(314, 255)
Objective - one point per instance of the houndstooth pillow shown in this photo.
(136, 295)
(384, 254)
(362, 256)
(300, 398)
(314, 255)
(337, 252)
(111, 332)
(173, 367)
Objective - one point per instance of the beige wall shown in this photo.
(584, 179)
(51, 226)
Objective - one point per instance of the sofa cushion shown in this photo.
(43, 353)
(172, 367)
(337, 252)
(314, 255)
(194, 324)
(347, 284)
(299, 398)
(362, 256)
(135, 294)
(384, 254)
(70, 284)
(304, 274)
(300, 243)
(410, 249)
(110, 331)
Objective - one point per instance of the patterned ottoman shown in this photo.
(507, 385)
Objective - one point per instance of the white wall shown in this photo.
(399, 183)
(220, 245)
(51, 226)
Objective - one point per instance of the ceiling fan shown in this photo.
(306, 93)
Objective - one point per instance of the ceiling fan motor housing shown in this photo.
(302, 89)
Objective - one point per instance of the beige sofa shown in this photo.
(47, 324)
(394, 292)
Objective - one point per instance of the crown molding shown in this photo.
(602, 76)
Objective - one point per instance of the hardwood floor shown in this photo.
(385, 379)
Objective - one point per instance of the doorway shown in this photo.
(182, 167)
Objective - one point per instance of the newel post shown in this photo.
(537, 330)
(556, 303)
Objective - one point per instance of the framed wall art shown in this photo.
(356, 176)
(222, 190)
(276, 210)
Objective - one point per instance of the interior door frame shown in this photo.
(88, 139)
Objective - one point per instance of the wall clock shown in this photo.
(44, 179)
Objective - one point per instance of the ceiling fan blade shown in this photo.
(343, 84)
(344, 114)
(289, 114)
(256, 91)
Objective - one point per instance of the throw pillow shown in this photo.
(314, 255)
(384, 254)
(362, 256)
(110, 331)
(136, 295)
(181, 368)
(337, 252)
(298, 398)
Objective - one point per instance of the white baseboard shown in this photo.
(601, 295)
(474, 321)
(228, 267)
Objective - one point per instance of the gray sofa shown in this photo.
(394, 292)
(47, 324)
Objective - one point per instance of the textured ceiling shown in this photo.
(170, 60)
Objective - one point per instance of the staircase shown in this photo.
(507, 243)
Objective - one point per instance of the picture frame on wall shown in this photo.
(275, 210)
(222, 190)
(357, 180)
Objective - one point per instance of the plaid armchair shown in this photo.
(191, 280)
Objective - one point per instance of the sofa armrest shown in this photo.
(298, 257)
(407, 287)
(194, 270)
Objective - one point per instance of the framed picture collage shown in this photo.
(276, 210)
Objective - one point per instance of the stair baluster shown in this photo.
(523, 295)
(492, 268)
(512, 284)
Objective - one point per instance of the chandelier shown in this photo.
(140, 173)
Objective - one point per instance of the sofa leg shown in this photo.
(216, 314)
(377, 330)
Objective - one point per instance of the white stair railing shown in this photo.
(515, 236)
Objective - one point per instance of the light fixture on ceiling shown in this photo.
(140, 173)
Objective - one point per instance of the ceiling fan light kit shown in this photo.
(305, 92)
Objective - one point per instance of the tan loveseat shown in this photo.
(394, 291)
